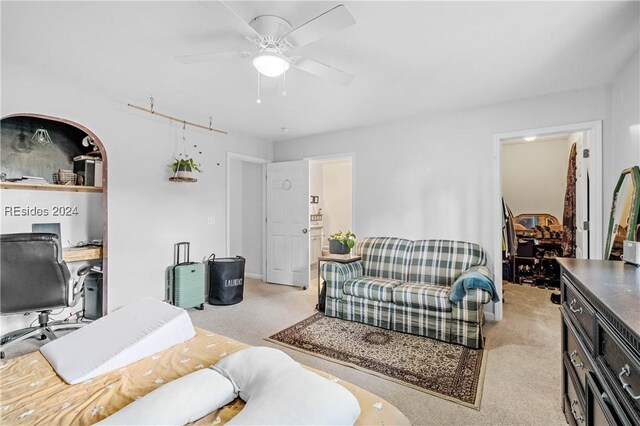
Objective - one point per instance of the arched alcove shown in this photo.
(19, 156)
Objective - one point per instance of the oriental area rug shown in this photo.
(446, 370)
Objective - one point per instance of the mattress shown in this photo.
(32, 393)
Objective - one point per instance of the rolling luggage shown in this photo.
(188, 280)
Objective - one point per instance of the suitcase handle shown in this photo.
(186, 246)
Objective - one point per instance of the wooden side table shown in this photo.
(340, 258)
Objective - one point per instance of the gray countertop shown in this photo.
(615, 284)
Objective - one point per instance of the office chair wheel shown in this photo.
(1, 355)
(42, 337)
(201, 307)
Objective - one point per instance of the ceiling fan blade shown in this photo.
(236, 21)
(322, 25)
(323, 71)
(211, 57)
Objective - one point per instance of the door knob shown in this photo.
(305, 230)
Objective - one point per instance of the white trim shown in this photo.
(595, 192)
(250, 159)
(250, 275)
(332, 156)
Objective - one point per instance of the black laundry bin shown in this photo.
(226, 280)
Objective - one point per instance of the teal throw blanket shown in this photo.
(470, 280)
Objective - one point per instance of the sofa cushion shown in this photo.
(371, 288)
(433, 297)
(440, 262)
(384, 257)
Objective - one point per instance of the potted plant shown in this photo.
(183, 167)
(342, 242)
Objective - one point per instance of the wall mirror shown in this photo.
(624, 213)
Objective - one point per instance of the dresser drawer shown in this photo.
(574, 410)
(622, 369)
(580, 310)
(577, 354)
(602, 410)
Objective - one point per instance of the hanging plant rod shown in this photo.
(185, 122)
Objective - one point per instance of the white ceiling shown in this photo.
(409, 58)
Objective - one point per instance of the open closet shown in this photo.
(545, 206)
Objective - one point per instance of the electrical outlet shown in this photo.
(211, 220)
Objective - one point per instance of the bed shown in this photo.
(32, 393)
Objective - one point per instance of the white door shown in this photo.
(582, 197)
(288, 223)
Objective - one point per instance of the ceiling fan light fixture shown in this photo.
(270, 64)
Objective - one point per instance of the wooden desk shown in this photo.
(77, 254)
(340, 258)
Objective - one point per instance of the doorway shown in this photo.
(245, 211)
(534, 189)
(296, 204)
(331, 204)
(592, 148)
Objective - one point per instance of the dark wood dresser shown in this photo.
(600, 342)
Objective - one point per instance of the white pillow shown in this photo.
(178, 402)
(133, 332)
(279, 391)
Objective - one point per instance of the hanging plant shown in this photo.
(184, 165)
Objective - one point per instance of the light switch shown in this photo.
(211, 220)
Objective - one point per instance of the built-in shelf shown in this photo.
(77, 254)
(49, 187)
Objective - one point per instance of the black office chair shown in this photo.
(34, 278)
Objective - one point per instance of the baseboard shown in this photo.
(250, 275)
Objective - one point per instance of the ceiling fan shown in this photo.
(273, 37)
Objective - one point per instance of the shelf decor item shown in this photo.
(342, 242)
(64, 177)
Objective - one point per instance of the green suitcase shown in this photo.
(188, 281)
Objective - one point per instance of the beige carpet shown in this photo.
(522, 380)
(449, 371)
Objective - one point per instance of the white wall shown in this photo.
(85, 226)
(432, 176)
(252, 237)
(534, 176)
(625, 119)
(337, 194)
(147, 213)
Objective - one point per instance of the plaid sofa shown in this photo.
(404, 285)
